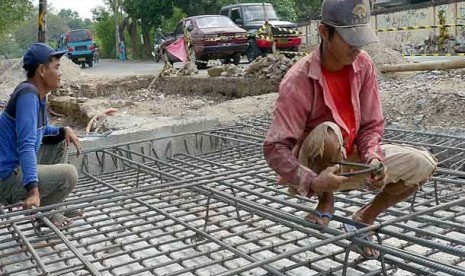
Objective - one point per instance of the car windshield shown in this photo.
(215, 22)
(252, 13)
(81, 35)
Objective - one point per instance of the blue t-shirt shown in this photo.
(23, 124)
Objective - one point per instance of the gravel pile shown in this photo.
(424, 101)
(272, 67)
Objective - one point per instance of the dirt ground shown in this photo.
(431, 101)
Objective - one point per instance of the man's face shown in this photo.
(51, 74)
(337, 49)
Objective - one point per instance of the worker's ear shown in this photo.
(323, 31)
(41, 70)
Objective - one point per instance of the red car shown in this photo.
(213, 37)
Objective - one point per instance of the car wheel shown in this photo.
(252, 51)
(225, 60)
(90, 62)
(201, 64)
(236, 58)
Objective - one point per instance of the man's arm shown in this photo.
(372, 121)
(55, 134)
(27, 108)
(290, 115)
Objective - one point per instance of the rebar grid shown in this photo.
(179, 209)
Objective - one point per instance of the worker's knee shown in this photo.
(70, 176)
(332, 146)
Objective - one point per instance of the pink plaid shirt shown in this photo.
(305, 102)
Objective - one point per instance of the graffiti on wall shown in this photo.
(420, 41)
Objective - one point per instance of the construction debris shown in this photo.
(272, 67)
(230, 70)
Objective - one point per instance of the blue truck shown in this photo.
(79, 45)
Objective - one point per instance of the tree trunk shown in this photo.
(117, 40)
(134, 38)
(147, 44)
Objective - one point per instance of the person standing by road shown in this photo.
(24, 125)
(328, 110)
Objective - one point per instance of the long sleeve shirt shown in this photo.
(23, 124)
(304, 102)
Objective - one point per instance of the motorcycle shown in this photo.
(157, 54)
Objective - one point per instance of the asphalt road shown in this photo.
(127, 68)
(116, 68)
(123, 68)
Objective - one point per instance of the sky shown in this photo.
(83, 7)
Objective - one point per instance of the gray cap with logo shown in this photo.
(351, 18)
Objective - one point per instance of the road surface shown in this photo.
(123, 68)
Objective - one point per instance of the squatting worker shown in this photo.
(329, 109)
(25, 129)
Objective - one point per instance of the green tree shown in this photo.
(13, 12)
(26, 33)
(150, 14)
(104, 30)
(72, 19)
(116, 8)
(308, 9)
(286, 9)
(169, 24)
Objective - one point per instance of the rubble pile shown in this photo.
(381, 55)
(433, 101)
(230, 70)
(272, 67)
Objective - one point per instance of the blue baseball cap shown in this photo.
(40, 53)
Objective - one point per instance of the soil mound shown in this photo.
(12, 73)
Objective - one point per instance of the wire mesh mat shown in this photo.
(206, 203)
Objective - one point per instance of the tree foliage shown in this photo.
(150, 12)
(104, 30)
(308, 9)
(73, 20)
(168, 24)
(26, 33)
(13, 12)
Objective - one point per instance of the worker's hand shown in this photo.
(328, 180)
(377, 179)
(32, 198)
(71, 137)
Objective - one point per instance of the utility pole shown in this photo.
(42, 21)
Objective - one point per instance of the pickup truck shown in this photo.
(252, 17)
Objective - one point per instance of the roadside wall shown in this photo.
(404, 40)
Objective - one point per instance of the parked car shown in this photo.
(252, 16)
(80, 46)
(213, 37)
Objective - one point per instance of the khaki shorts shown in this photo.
(403, 163)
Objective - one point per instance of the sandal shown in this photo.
(360, 248)
(59, 221)
(73, 213)
(320, 216)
